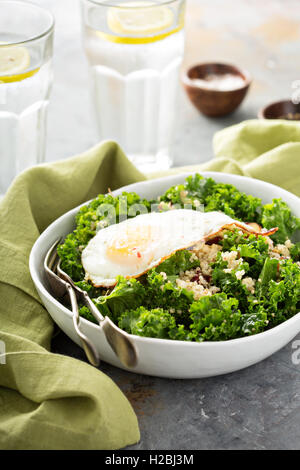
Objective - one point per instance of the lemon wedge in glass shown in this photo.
(14, 61)
(139, 18)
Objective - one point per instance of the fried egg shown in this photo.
(136, 245)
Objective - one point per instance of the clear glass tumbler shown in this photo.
(134, 50)
(26, 38)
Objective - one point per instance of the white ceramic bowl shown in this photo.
(167, 358)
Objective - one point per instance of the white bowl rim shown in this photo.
(146, 339)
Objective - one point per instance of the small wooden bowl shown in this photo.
(213, 102)
(281, 110)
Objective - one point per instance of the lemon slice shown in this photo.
(13, 61)
(139, 18)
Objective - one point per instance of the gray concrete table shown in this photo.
(258, 407)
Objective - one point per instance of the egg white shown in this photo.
(136, 245)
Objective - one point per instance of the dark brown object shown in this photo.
(214, 102)
(281, 110)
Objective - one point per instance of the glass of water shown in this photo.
(26, 37)
(134, 50)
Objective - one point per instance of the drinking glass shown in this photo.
(134, 50)
(26, 37)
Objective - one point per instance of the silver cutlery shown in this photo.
(60, 288)
(118, 339)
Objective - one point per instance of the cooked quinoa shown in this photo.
(199, 280)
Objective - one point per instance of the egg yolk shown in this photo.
(130, 247)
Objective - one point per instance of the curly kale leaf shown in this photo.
(216, 318)
(70, 255)
(253, 246)
(269, 273)
(295, 252)
(254, 322)
(223, 197)
(253, 249)
(215, 197)
(88, 287)
(228, 199)
(153, 323)
(283, 296)
(277, 294)
(228, 282)
(254, 252)
(194, 189)
(230, 239)
(128, 294)
(85, 313)
(179, 262)
(278, 214)
(163, 293)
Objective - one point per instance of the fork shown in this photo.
(118, 339)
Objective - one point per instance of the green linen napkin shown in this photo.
(268, 150)
(51, 401)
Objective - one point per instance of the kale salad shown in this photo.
(233, 284)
